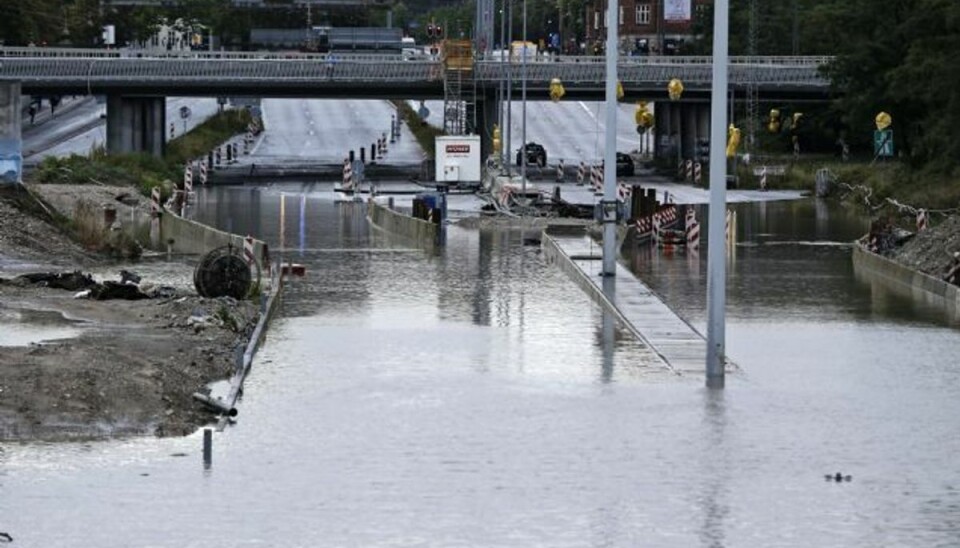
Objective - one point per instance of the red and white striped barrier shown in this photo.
(560, 172)
(669, 215)
(384, 139)
(921, 220)
(596, 176)
(697, 173)
(693, 230)
(581, 172)
(203, 172)
(155, 199)
(347, 174)
(763, 178)
(623, 192)
(644, 227)
(188, 178)
(689, 169)
(248, 250)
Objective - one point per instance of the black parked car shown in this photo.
(536, 155)
(625, 167)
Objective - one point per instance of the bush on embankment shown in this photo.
(144, 171)
(424, 133)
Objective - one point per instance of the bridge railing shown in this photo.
(57, 66)
(265, 72)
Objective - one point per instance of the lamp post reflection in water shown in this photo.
(303, 224)
(608, 330)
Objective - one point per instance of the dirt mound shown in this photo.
(931, 251)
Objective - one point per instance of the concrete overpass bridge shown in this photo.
(137, 82)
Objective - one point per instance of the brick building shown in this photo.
(643, 29)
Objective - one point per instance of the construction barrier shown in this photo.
(692, 227)
(921, 220)
(188, 178)
(347, 174)
(203, 173)
(689, 170)
(581, 172)
(560, 172)
(155, 199)
(248, 254)
(697, 173)
(763, 178)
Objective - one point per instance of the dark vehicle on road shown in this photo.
(536, 155)
(625, 167)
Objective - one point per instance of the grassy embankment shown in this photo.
(422, 131)
(144, 171)
(140, 171)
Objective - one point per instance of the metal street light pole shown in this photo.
(716, 253)
(523, 100)
(509, 127)
(609, 202)
(504, 151)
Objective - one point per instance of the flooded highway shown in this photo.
(479, 398)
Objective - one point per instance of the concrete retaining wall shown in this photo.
(190, 237)
(422, 233)
(906, 281)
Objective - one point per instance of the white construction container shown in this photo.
(458, 159)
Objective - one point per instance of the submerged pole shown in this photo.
(716, 254)
(609, 203)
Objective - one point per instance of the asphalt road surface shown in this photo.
(78, 128)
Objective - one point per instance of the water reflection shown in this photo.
(478, 398)
(716, 469)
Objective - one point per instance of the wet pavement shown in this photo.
(478, 398)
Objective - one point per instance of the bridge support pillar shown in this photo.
(661, 129)
(136, 124)
(688, 132)
(11, 142)
(488, 112)
(703, 129)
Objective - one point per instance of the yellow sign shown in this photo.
(733, 141)
(883, 121)
(496, 138)
(675, 89)
(556, 90)
(774, 124)
(619, 90)
(642, 116)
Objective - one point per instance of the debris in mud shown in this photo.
(128, 288)
(70, 281)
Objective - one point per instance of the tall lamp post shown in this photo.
(608, 205)
(716, 252)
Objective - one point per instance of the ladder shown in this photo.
(459, 88)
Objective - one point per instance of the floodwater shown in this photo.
(478, 398)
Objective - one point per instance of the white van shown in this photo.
(409, 48)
